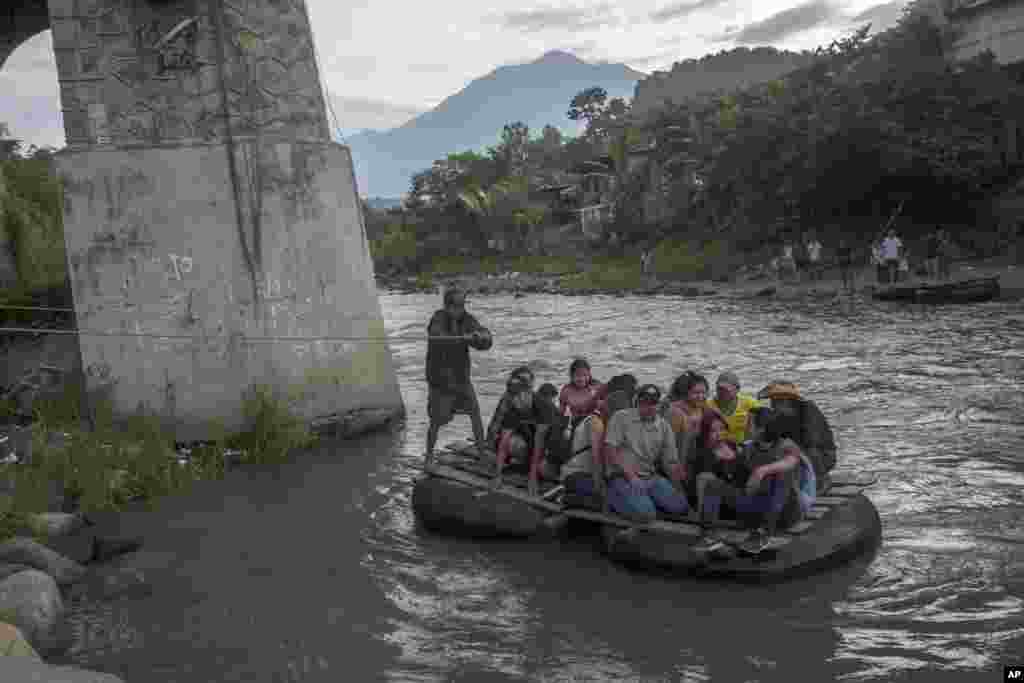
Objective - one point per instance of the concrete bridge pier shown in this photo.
(208, 213)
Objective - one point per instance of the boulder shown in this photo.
(12, 569)
(14, 644)
(26, 551)
(25, 669)
(55, 523)
(31, 601)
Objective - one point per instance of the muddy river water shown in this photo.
(317, 571)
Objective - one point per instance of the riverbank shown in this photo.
(64, 486)
(744, 285)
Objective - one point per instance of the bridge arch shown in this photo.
(19, 21)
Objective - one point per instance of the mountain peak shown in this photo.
(558, 57)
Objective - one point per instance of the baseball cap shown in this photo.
(649, 393)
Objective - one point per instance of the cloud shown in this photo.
(356, 113)
(682, 9)
(351, 67)
(559, 18)
(428, 68)
(663, 57)
(881, 16)
(586, 48)
(788, 22)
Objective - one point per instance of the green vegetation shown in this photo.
(694, 260)
(135, 459)
(606, 273)
(31, 217)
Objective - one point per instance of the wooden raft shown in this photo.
(458, 462)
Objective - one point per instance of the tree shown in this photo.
(587, 105)
(515, 140)
(9, 147)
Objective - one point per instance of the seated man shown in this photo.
(772, 483)
(813, 435)
(640, 450)
(734, 406)
(523, 431)
(584, 474)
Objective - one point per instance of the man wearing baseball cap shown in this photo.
(734, 406)
(644, 468)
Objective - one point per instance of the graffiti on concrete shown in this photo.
(181, 264)
(99, 371)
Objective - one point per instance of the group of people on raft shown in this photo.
(627, 449)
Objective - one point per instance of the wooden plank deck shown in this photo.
(728, 528)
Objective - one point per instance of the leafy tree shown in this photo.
(587, 105)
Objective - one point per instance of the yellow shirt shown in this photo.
(737, 422)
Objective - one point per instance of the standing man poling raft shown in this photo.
(450, 334)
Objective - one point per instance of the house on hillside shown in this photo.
(594, 184)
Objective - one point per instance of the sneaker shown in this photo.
(708, 544)
(756, 541)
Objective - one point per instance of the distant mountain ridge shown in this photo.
(537, 93)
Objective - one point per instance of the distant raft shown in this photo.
(962, 292)
(455, 497)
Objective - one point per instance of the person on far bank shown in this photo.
(813, 248)
(450, 334)
(845, 261)
(931, 254)
(892, 253)
(734, 406)
(945, 254)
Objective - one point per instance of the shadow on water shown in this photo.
(256, 578)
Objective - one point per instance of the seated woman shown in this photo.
(686, 412)
(712, 457)
(772, 484)
(581, 395)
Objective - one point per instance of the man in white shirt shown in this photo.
(892, 250)
(813, 247)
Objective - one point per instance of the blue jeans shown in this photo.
(642, 500)
(770, 505)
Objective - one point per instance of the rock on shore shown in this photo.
(31, 601)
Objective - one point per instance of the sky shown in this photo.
(386, 61)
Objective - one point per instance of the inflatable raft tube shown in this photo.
(453, 507)
(847, 526)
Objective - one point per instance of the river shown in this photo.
(316, 570)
